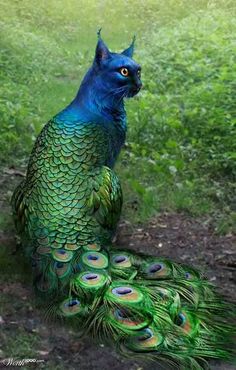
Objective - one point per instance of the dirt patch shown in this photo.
(187, 240)
(25, 334)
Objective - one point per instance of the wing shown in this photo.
(105, 201)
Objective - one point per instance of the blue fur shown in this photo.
(100, 98)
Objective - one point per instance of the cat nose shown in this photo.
(140, 85)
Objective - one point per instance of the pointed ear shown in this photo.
(130, 50)
(102, 52)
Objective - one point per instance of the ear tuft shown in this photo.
(130, 50)
(99, 32)
(102, 52)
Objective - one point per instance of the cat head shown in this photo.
(119, 74)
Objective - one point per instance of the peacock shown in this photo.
(66, 211)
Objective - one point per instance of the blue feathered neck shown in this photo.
(111, 77)
(94, 96)
(100, 97)
(94, 102)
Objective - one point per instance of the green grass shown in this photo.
(181, 145)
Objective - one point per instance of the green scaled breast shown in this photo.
(69, 203)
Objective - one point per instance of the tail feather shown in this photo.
(144, 305)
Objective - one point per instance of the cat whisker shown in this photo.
(117, 91)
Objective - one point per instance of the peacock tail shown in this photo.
(66, 212)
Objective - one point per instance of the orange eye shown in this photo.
(124, 71)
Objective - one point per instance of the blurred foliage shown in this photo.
(181, 149)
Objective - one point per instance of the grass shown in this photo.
(180, 153)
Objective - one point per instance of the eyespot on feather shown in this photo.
(128, 320)
(91, 280)
(62, 255)
(61, 269)
(145, 340)
(187, 322)
(191, 275)
(70, 307)
(95, 259)
(157, 269)
(124, 293)
(120, 261)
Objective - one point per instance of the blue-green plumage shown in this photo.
(66, 212)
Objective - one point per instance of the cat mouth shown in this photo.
(132, 92)
(136, 90)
